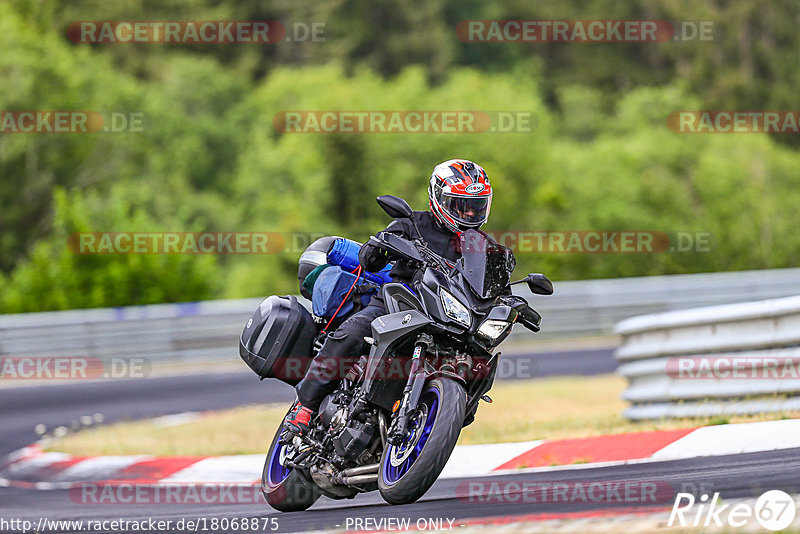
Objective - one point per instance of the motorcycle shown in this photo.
(392, 423)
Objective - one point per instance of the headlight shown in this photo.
(454, 309)
(493, 328)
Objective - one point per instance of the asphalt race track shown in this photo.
(22, 408)
(735, 476)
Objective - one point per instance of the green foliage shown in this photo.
(57, 278)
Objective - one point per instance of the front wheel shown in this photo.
(284, 488)
(407, 471)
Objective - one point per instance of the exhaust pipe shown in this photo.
(361, 470)
(360, 479)
(363, 474)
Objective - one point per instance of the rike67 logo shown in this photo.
(774, 510)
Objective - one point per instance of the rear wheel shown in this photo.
(284, 488)
(408, 470)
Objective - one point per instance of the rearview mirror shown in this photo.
(396, 207)
(539, 284)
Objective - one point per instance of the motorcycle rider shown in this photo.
(460, 198)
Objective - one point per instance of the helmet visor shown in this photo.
(471, 211)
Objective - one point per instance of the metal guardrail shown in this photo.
(732, 359)
(169, 332)
(209, 330)
(593, 307)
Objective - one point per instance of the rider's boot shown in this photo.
(298, 421)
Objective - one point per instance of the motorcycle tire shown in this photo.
(285, 489)
(403, 481)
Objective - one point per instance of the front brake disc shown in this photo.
(401, 453)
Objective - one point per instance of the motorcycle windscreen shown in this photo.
(487, 265)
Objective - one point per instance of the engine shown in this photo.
(350, 437)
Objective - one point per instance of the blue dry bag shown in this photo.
(344, 252)
(331, 288)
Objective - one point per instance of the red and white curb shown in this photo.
(34, 468)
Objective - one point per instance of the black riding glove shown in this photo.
(372, 258)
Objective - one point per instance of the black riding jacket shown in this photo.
(438, 238)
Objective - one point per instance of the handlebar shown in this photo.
(410, 249)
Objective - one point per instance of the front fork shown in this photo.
(412, 391)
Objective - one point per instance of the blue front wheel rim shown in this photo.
(276, 472)
(391, 474)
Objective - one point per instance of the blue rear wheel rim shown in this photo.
(391, 473)
(276, 473)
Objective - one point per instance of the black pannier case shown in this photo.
(277, 340)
